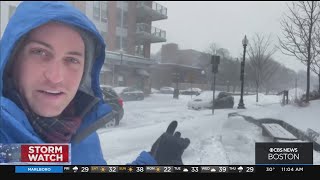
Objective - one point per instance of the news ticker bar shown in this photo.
(162, 169)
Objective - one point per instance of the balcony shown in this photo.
(146, 32)
(119, 58)
(150, 9)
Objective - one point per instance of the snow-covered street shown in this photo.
(215, 139)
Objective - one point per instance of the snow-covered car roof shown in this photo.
(105, 86)
(163, 88)
(192, 89)
(206, 95)
(120, 89)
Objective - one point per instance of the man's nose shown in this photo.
(54, 73)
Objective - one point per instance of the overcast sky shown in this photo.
(194, 25)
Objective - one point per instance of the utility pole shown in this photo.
(215, 61)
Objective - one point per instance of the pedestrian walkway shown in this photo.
(279, 131)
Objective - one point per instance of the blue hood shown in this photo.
(14, 125)
(32, 14)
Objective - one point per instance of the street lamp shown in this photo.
(244, 43)
(121, 55)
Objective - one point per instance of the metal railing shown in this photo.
(128, 57)
(155, 6)
(143, 27)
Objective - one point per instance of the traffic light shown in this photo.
(215, 61)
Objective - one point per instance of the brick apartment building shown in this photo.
(127, 29)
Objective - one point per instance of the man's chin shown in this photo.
(48, 112)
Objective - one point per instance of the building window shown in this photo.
(121, 80)
(96, 10)
(124, 43)
(122, 4)
(104, 11)
(139, 50)
(100, 12)
(125, 18)
(12, 9)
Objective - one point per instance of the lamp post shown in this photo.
(244, 43)
(121, 55)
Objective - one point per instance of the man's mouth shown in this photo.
(49, 92)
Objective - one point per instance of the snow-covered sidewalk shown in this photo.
(215, 139)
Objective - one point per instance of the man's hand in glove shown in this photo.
(169, 147)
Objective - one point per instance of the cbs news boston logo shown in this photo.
(284, 153)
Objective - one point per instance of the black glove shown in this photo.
(169, 147)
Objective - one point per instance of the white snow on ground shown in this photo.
(215, 139)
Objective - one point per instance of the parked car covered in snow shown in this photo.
(129, 93)
(166, 90)
(224, 100)
(191, 91)
(153, 90)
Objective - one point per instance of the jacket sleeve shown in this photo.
(144, 158)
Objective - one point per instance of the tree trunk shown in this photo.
(319, 82)
(257, 91)
(309, 55)
(267, 91)
(308, 81)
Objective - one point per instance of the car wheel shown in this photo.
(111, 123)
(196, 108)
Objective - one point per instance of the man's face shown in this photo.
(49, 68)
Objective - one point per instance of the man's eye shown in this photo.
(39, 52)
(73, 60)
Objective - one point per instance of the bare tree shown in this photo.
(204, 62)
(272, 67)
(210, 51)
(315, 64)
(213, 48)
(299, 30)
(315, 67)
(261, 67)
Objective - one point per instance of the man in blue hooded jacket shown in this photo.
(51, 57)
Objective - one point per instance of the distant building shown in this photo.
(181, 68)
(170, 53)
